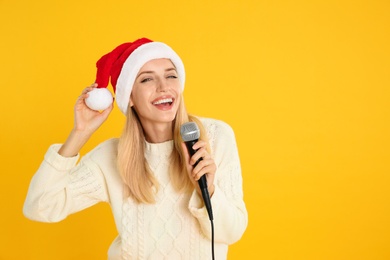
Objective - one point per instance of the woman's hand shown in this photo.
(86, 122)
(86, 119)
(205, 167)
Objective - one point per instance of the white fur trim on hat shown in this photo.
(140, 56)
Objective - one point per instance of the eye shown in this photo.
(146, 80)
(172, 77)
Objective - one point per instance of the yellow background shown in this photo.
(304, 84)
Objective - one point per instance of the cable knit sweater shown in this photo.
(175, 227)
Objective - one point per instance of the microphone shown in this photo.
(190, 134)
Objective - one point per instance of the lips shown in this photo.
(163, 103)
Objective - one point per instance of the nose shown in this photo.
(163, 86)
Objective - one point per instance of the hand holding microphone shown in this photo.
(202, 166)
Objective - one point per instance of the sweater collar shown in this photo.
(159, 148)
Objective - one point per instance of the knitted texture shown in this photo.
(175, 227)
(162, 230)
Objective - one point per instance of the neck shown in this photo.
(158, 132)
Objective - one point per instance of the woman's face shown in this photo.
(156, 92)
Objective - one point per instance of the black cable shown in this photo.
(212, 239)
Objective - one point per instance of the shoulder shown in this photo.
(215, 127)
(220, 134)
(106, 150)
(110, 145)
(222, 141)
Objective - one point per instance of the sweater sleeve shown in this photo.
(229, 211)
(61, 187)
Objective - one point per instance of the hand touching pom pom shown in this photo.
(99, 99)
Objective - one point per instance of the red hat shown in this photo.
(122, 65)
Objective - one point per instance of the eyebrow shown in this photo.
(151, 71)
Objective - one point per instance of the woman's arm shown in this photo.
(59, 187)
(86, 122)
(229, 211)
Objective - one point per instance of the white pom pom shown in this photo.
(99, 99)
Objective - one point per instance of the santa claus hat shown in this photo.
(122, 65)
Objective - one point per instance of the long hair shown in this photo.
(140, 183)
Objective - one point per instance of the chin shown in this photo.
(168, 119)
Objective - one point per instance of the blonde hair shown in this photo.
(141, 185)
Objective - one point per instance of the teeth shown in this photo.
(162, 101)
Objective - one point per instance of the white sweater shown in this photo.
(175, 227)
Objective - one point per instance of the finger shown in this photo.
(199, 144)
(86, 90)
(205, 170)
(93, 85)
(203, 164)
(201, 153)
(82, 97)
(107, 110)
(90, 88)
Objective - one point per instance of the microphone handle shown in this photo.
(202, 181)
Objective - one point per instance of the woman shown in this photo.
(147, 175)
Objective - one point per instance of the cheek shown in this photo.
(177, 88)
(138, 97)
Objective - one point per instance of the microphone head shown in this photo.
(189, 131)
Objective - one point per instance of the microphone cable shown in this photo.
(212, 239)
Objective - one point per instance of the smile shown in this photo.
(165, 101)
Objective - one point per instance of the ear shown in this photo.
(131, 101)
